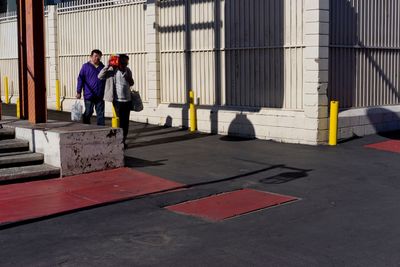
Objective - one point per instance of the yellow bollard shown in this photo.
(58, 97)
(18, 109)
(6, 90)
(333, 123)
(192, 110)
(115, 119)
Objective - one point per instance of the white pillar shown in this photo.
(53, 48)
(153, 58)
(317, 66)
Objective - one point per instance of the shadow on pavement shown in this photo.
(286, 177)
(141, 142)
(137, 163)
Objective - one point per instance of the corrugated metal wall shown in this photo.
(245, 53)
(365, 52)
(9, 53)
(264, 53)
(172, 49)
(111, 26)
(239, 53)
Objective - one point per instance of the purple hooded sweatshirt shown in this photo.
(87, 79)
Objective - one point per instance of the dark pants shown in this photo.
(89, 108)
(123, 110)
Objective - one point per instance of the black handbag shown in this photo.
(137, 103)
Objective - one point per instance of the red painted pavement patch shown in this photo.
(26, 201)
(228, 205)
(391, 146)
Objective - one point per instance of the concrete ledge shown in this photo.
(281, 125)
(367, 121)
(73, 147)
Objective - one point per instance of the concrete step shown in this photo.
(7, 133)
(14, 153)
(21, 160)
(13, 145)
(28, 172)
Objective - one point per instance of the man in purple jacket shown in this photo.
(93, 88)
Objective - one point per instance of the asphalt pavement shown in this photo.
(348, 213)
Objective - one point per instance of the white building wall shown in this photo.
(159, 65)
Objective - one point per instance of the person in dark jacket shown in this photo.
(93, 88)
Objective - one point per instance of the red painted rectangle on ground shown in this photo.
(25, 201)
(391, 146)
(19, 209)
(231, 204)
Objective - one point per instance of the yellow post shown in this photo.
(18, 109)
(192, 110)
(115, 119)
(58, 97)
(333, 123)
(6, 90)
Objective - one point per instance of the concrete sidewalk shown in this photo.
(348, 214)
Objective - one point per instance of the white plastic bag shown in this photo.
(76, 111)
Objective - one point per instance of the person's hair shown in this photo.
(96, 51)
(123, 57)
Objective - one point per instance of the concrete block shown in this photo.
(311, 88)
(370, 129)
(344, 122)
(322, 136)
(75, 148)
(316, 5)
(312, 28)
(310, 100)
(316, 40)
(354, 121)
(316, 64)
(364, 120)
(316, 112)
(344, 133)
(316, 52)
(316, 15)
(359, 130)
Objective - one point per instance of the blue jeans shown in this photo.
(89, 109)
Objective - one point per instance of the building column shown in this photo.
(316, 67)
(32, 60)
(53, 48)
(153, 56)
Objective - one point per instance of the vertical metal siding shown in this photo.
(261, 52)
(111, 26)
(9, 52)
(365, 52)
(242, 53)
(172, 51)
(264, 53)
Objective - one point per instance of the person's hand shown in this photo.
(78, 96)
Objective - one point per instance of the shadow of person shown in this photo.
(385, 122)
(240, 129)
